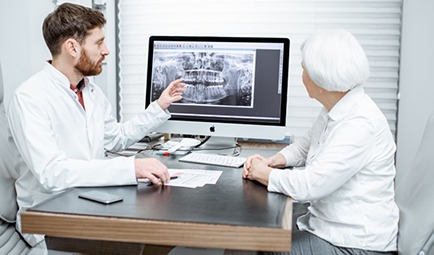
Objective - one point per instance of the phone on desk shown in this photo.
(100, 197)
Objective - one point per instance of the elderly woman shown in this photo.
(344, 166)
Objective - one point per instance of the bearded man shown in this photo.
(62, 123)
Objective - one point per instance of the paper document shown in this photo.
(189, 178)
(193, 178)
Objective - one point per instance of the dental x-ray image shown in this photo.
(212, 77)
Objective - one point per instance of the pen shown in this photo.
(171, 177)
(147, 180)
(164, 153)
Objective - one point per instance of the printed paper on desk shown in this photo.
(193, 178)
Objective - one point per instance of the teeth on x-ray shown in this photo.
(210, 76)
(203, 85)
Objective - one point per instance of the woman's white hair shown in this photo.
(335, 60)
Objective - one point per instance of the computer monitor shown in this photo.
(236, 86)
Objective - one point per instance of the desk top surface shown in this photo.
(232, 201)
(232, 214)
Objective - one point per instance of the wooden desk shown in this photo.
(233, 214)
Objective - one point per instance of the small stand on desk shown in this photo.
(178, 146)
(219, 145)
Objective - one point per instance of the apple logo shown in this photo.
(212, 128)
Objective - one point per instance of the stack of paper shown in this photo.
(193, 178)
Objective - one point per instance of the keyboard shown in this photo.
(213, 159)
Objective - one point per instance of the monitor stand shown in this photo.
(219, 145)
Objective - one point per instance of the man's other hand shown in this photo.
(171, 94)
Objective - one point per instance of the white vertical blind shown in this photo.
(375, 23)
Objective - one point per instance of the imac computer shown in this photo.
(236, 86)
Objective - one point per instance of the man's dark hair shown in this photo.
(70, 21)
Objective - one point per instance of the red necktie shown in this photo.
(79, 94)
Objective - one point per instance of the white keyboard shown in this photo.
(213, 159)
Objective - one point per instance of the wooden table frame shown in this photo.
(161, 232)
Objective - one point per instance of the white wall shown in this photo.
(416, 78)
(23, 51)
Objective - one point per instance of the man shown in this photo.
(62, 123)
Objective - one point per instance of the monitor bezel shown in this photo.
(285, 74)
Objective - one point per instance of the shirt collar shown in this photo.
(343, 106)
(60, 77)
(80, 86)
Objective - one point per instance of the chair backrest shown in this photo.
(1, 85)
(415, 199)
(8, 204)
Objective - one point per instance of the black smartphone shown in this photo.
(100, 197)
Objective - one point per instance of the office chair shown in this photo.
(11, 242)
(10, 239)
(415, 199)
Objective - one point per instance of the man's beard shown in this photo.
(86, 67)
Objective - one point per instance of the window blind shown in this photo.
(375, 23)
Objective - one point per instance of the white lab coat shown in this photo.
(63, 145)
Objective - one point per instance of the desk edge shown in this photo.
(161, 232)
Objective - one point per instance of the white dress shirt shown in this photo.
(63, 145)
(345, 168)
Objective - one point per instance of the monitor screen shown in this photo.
(236, 86)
